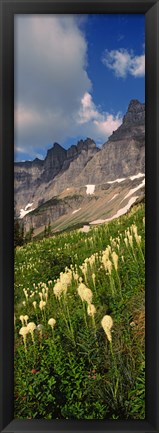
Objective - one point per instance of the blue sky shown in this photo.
(74, 78)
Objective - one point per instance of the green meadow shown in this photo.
(79, 301)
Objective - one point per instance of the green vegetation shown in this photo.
(79, 323)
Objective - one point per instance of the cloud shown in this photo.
(52, 88)
(100, 123)
(50, 77)
(123, 62)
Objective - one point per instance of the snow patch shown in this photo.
(100, 221)
(120, 212)
(67, 189)
(24, 212)
(117, 180)
(28, 205)
(77, 210)
(134, 190)
(85, 229)
(115, 195)
(90, 189)
(137, 176)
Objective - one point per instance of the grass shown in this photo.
(76, 369)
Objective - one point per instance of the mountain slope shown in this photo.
(80, 182)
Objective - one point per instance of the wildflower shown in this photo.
(52, 322)
(24, 303)
(24, 331)
(91, 310)
(22, 319)
(138, 239)
(80, 291)
(109, 266)
(31, 327)
(115, 260)
(34, 304)
(33, 371)
(126, 241)
(87, 295)
(107, 323)
(59, 289)
(26, 319)
(130, 240)
(42, 305)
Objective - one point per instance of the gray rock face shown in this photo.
(34, 180)
(121, 156)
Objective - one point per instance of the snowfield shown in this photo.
(90, 189)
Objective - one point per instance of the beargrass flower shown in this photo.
(26, 319)
(52, 322)
(34, 304)
(115, 260)
(42, 305)
(88, 295)
(107, 323)
(22, 319)
(24, 331)
(91, 310)
(31, 327)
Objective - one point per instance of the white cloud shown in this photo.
(124, 62)
(101, 124)
(50, 77)
(52, 88)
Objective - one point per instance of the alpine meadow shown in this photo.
(79, 217)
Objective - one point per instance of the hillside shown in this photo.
(83, 295)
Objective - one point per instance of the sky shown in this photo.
(74, 78)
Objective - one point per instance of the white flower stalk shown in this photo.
(107, 323)
(80, 291)
(52, 323)
(42, 305)
(75, 276)
(94, 279)
(24, 331)
(115, 260)
(108, 266)
(31, 328)
(88, 295)
(34, 305)
(22, 320)
(24, 303)
(130, 240)
(126, 242)
(59, 289)
(91, 310)
(26, 319)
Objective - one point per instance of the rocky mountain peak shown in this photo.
(133, 119)
(135, 114)
(86, 144)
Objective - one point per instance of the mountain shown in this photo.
(78, 185)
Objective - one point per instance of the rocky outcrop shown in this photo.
(34, 180)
